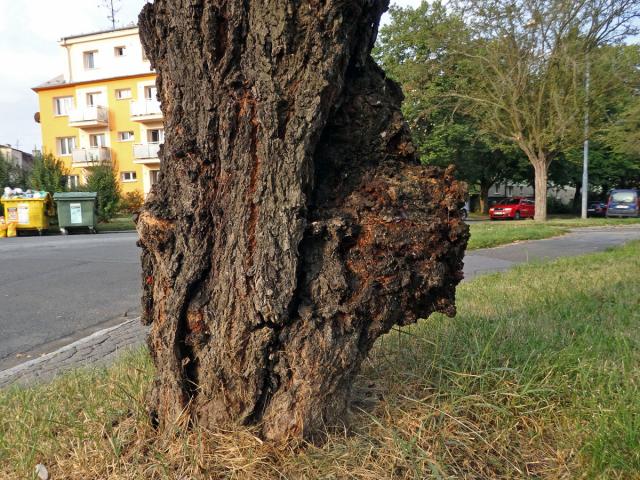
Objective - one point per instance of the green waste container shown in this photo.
(76, 210)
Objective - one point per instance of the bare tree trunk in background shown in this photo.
(484, 198)
(541, 170)
(292, 224)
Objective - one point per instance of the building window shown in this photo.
(150, 93)
(63, 105)
(94, 99)
(120, 51)
(128, 176)
(65, 145)
(125, 136)
(90, 59)
(154, 176)
(123, 93)
(73, 181)
(97, 140)
(155, 135)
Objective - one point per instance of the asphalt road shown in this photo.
(54, 290)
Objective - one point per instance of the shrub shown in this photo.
(555, 205)
(104, 181)
(49, 174)
(131, 202)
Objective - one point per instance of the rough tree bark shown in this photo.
(292, 224)
(541, 171)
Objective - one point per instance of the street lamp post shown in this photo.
(585, 159)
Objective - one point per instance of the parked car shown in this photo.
(514, 208)
(598, 209)
(623, 203)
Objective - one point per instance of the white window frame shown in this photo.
(152, 174)
(89, 59)
(160, 135)
(65, 146)
(128, 177)
(120, 51)
(150, 92)
(73, 181)
(94, 99)
(66, 103)
(95, 142)
(126, 136)
(120, 96)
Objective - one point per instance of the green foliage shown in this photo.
(49, 174)
(492, 85)
(131, 202)
(103, 180)
(11, 175)
(418, 49)
(4, 171)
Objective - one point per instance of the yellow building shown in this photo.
(103, 109)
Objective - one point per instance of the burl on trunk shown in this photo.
(292, 224)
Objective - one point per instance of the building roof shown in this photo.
(54, 82)
(9, 147)
(100, 32)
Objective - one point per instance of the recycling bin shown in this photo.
(76, 210)
(28, 213)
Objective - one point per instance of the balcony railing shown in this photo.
(146, 151)
(145, 109)
(93, 156)
(89, 116)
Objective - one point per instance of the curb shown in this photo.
(96, 348)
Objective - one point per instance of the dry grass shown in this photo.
(547, 386)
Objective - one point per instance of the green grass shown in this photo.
(118, 224)
(493, 234)
(537, 377)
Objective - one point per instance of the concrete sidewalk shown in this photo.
(579, 241)
(102, 347)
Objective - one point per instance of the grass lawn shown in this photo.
(117, 224)
(492, 234)
(537, 377)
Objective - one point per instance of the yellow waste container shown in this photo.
(28, 213)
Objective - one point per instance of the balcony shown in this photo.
(89, 117)
(146, 153)
(90, 157)
(146, 111)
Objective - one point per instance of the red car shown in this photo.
(514, 208)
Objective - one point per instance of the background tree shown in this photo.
(416, 49)
(49, 174)
(292, 224)
(103, 179)
(518, 67)
(12, 175)
(4, 171)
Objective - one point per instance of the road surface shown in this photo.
(54, 290)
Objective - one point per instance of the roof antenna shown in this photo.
(113, 6)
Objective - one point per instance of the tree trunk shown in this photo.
(484, 198)
(541, 170)
(577, 198)
(292, 224)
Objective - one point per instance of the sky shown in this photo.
(30, 54)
